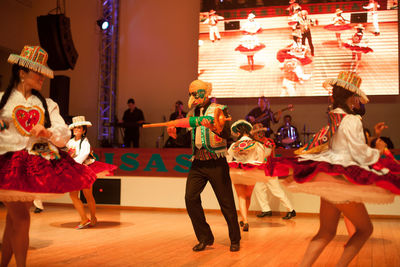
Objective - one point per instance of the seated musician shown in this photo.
(287, 135)
(263, 114)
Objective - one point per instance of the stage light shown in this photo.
(103, 24)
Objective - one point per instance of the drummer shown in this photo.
(287, 135)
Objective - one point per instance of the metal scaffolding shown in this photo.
(108, 73)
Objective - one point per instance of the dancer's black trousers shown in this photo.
(217, 173)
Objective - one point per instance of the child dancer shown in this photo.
(31, 164)
(246, 158)
(79, 149)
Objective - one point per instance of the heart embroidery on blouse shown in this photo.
(25, 118)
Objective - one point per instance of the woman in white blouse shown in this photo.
(31, 164)
(342, 169)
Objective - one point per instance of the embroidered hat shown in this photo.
(243, 123)
(349, 81)
(258, 127)
(79, 121)
(339, 11)
(33, 58)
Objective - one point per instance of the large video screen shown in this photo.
(257, 55)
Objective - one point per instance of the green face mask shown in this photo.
(198, 94)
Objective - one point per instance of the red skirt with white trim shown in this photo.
(337, 28)
(337, 183)
(25, 177)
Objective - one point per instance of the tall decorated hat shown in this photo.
(241, 123)
(79, 121)
(350, 81)
(33, 58)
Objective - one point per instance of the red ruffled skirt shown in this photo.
(337, 28)
(336, 183)
(247, 174)
(283, 54)
(102, 169)
(356, 48)
(249, 52)
(25, 177)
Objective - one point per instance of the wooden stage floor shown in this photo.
(227, 69)
(165, 238)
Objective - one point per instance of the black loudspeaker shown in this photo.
(359, 17)
(55, 37)
(106, 191)
(59, 92)
(232, 25)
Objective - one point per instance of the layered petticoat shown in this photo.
(102, 169)
(336, 183)
(247, 173)
(25, 177)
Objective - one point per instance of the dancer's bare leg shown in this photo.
(6, 248)
(78, 206)
(358, 216)
(241, 194)
(18, 223)
(329, 218)
(349, 226)
(91, 204)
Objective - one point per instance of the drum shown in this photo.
(287, 137)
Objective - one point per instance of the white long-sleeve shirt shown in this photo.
(80, 154)
(348, 146)
(12, 140)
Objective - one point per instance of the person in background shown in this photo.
(263, 114)
(305, 26)
(79, 149)
(212, 21)
(183, 136)
(287, 134)
(373, 7)
(132, 121)
(272, 184)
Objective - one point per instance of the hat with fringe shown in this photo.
(79, 121)
(350, 81)
(246, 124)
(33, 58)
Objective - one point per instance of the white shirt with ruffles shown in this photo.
(81, 153)
(254, 156)
(347, 146)
(12, 140)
